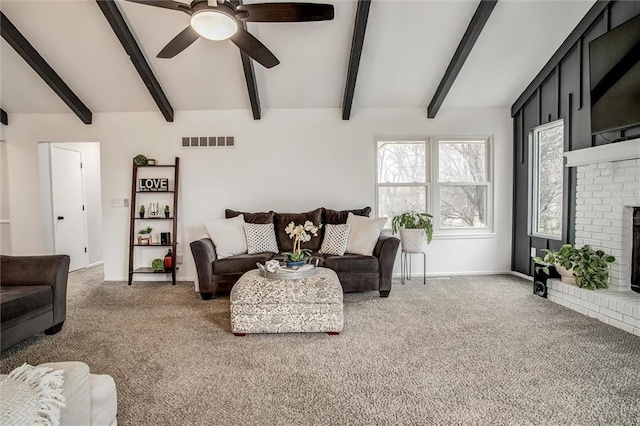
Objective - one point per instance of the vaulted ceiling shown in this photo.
(407, 47)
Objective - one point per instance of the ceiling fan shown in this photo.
(221, 20)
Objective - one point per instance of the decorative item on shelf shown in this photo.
(154, 209)
(140, 160)
(414, 229)
(151, 162)
(168, 261)
(157, 265)
(153, 184)
(166, 211)
(300, 234)
(144, 236)
(584, 267)
(165, 238)
(141, 211)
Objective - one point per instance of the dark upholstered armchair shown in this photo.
(33, 296)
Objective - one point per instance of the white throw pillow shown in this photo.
(363, 233)
(228, 236)
(335, 239)
(261, 238)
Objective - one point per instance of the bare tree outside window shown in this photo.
(463, 183)
(402, 177)
(547, 167)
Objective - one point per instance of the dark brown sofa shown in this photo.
(33, 296)
(356, 272)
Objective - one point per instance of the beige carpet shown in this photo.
(469, 350)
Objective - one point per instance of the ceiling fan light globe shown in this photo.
(214, 25)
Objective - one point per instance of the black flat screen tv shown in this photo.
(614, 69)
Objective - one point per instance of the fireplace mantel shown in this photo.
(618, 151)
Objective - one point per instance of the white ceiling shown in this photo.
(407, 48)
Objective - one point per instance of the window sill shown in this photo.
(465, 236)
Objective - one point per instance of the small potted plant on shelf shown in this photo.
(144, 236)
(141, 211)
(166, 211)
(584, 267)
(300, 234)
(414, 229)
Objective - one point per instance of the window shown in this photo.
(402, 179)
(459, 171)
(463, 183)
(546, 180)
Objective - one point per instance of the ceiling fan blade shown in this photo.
(254, 48)
(286, 12)
(165, 4)
(179, 43)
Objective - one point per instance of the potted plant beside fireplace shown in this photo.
(584, 266)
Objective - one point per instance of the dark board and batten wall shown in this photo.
(563, 92)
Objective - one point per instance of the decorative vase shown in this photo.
(566, 275)
(412, 240)
(296, 264)
(166, 214)
(141, 215)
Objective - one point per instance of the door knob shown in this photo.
(60, 217)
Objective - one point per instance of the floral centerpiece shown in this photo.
(300, 234)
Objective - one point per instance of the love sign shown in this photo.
(154, 184)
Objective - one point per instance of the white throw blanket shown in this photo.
(31, 396)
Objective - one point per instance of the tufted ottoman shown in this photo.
(308, 305)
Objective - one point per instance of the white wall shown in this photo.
(334, 158)
(5, 224)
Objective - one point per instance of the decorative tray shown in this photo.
(284, 273)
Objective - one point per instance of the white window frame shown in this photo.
(426, 184)
(435, 155)
(533, 181)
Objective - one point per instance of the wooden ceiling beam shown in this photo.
(4, 118)
(480, 18)
(31, 56)
(250, 76)
(122, 31)
(357, 42)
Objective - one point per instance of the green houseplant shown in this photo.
(590, 267)
(141, 211)
(166, 210)
(414, 228)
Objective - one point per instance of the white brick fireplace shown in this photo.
(608, 188)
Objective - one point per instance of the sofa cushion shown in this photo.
(227, 235)
(261, 238)
(19, 300)
(338, 217)
(364, 233)
(260, 217)
(240, 263)
(283, 219)
(351, 263)
(335, 239)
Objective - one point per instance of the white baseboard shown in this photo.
(95, 264)
(141, 278)
(450, 274)
(521, 275)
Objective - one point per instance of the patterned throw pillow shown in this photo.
(335, 239)
(261, 238)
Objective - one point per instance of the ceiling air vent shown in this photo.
(208, 141)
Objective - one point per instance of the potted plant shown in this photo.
(141, 211)
(584, 267)
(144, 235)
(300, 234)
(414, 229)
(166, 210)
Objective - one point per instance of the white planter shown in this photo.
(412, 240)
(566, 275)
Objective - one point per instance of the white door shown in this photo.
(68, 208)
